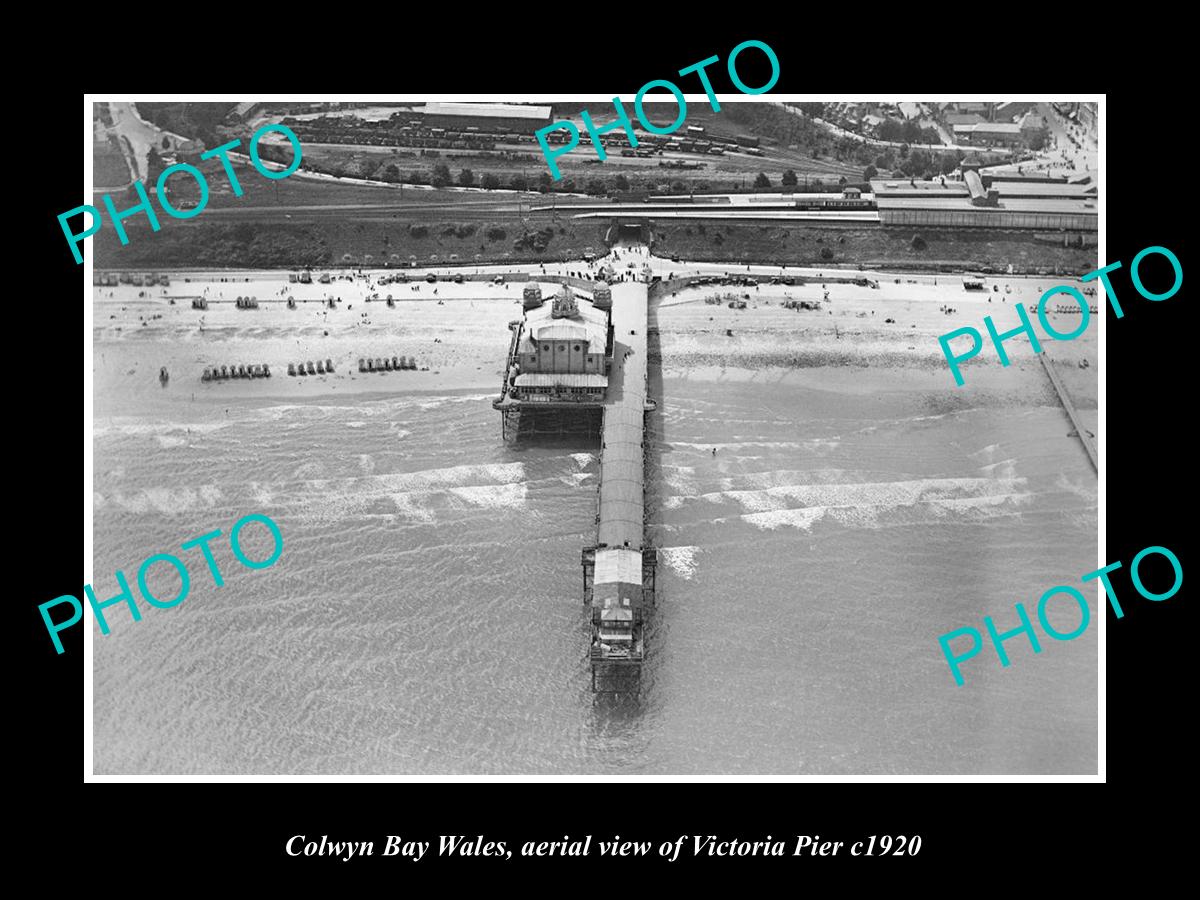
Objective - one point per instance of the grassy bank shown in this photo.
(870, 247)
(359, 238)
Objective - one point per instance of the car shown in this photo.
(458, 279)
(431, 278)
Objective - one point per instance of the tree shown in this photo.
(595, 186)
(903, 150)
(466, 178)
(490, 181)
(545, 182)
(789, 179)
(869, 172)
(762, 181)
(813, 109)
(390, 173)
(621, 183)
(842, 180)
(440, 176)
(518, 182)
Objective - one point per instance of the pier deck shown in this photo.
(1065, 398)
(622, 495)
(619, 572)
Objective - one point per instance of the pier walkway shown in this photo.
(619, 571)
(622, 506)
(1084, 437)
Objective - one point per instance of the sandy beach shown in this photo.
(458, 335)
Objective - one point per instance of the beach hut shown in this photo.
(207, 376)
(410, 362)
(387, 364)
(370, 365)
(291, 368)
(378, 364)
(266, 371)
(311, 368)
(241, 371)
(224, 372)
(291, 277)
(320, 367)
(329, 366)
(362, 364)
(396, 364)
(306, 277)
(324, 279)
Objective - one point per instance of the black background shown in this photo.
(973, 833)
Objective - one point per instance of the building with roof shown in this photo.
(1052, 207)
(561, 350)
(951, 119)
(499, 116)
(1009, 112)
(989, 134)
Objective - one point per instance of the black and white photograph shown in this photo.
(532, 435)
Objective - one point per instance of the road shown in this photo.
(139, 134)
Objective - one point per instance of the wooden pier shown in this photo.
(1065, 398)
(619, 571)
(550, 398)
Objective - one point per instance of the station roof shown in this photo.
(895, 187)
(1007, 204)
(1043, 189)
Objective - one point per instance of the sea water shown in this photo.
(426, 616)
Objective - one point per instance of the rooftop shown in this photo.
(590, 324)
(1007, 204)
(989, 128)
